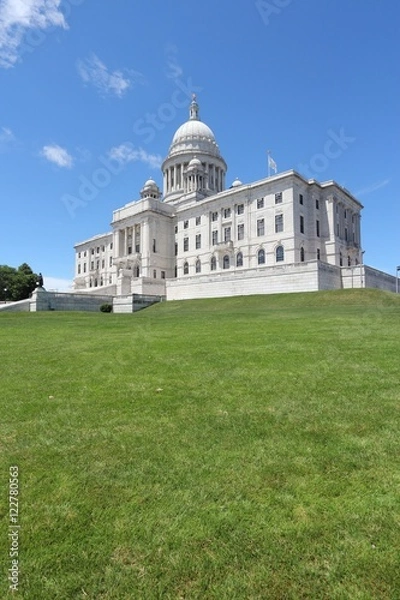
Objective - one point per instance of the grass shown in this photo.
(242, 448)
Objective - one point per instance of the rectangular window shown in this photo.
(129, 249)
(176, 249)
(301, 199)
(240, 231)
(301, 224)
(198, 220)
(260, 203)
(103, 248)
(260, 227)
(92, 265)
(111, 259)
(240, 209)
(185, 224)
(137, 248)
(215, 238)
(345, 233)
(176, 228)
(227, 234)
(338, 229)
(84, 254)
(92, 251)
(97, 264)
(162, 274)
(185, 244)
(317, 203)
(214, 216)
(278, 223)
(278, 198)
(345, 214)
(110, 279)
(98, 249)
(227, 213)
(318, 254)
(198, 241)
(154, 246)
(317, 228)
(111, 247)
(79, 255)
(155, 274)
(79, 269)
(84, 267)
(103, 263)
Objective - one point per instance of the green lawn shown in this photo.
(242, 448)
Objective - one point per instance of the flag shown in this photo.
(272, 164)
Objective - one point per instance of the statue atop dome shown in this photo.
(194, 109)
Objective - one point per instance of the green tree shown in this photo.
(17, 284)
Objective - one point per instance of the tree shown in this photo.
(17, 284)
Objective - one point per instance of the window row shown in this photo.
(317, 226)
(301, 201)
(238, 261)
(278, 225)
(93, 251)
(94, 265)
(102, 281)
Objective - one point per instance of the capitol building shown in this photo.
(198, 238)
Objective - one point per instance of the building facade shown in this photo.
(197, 238)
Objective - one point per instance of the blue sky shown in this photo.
(93, 91)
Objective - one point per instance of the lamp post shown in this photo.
(397, 279)
(5, 294)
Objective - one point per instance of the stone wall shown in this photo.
(302, 277)
(21, 306)
(379, 279)
(363, 276)
(43, 300)
(133, 302)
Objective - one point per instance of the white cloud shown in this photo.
(6, 138)
(57, 155)
(93, 70)
(126, 153)
(173, 70)
(372, 188)
(17, 17)
(57, 284)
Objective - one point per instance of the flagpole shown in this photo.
(268, 161)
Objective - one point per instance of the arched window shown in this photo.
(198, 266)
(185, 268)
(302, 254)
(239, 259)
(226, 262)
(280, 254)
(348, 261)
(213, 263)
(261, 256)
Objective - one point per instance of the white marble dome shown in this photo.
(194, 135)
(150, 183)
